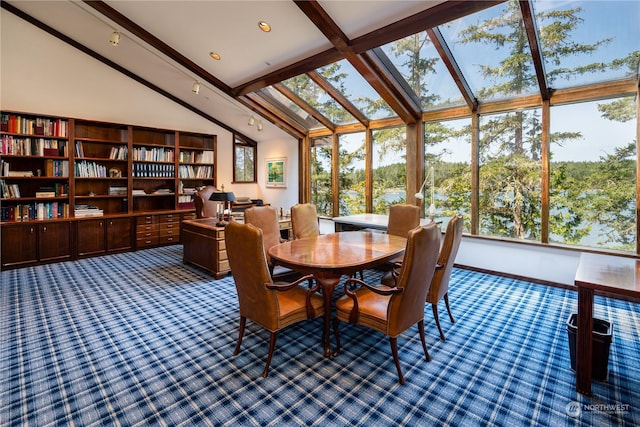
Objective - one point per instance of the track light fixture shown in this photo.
(195, 88)
(252, 121)
(260, 127)
(114, 40)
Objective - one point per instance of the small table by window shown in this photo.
(614, 275)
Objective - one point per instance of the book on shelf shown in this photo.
(138, 192)
(9, 191)
(19, 173)
(43, 194)
(87, 210)
(117, 191)
(15, 123)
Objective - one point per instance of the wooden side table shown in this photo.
(204, 246)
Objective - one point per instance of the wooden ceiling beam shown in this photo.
(339, 97)
(449, 61)
(261, 107)
(379, 75)
(291, 96)
(536, 50)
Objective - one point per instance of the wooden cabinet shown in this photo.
(19, 245)
(168, 229)
(106, 178)
(28, 244)
(99, 236)
(54, 241)
(204, 246)
(146, 231)
(153, 230)
(118, 234)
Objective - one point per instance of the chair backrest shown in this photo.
(206, 208)
(248, 264)
(304, 221)
(266, 219)
(418, 266)
(402, 218)
(448, 252)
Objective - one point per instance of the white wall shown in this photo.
(545, 263)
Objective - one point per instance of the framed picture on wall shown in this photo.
(276, 172)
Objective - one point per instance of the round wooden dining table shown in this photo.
(328, 257)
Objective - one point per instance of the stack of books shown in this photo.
(87, 210)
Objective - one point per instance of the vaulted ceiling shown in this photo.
(167, 46)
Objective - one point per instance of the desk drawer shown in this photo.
(147, 219)
(147, 228)
(222, 256)
(223, 265)
(168, 218)
(143, 242)
(168, 240)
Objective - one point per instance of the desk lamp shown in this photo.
(223, 197)
(419, 195)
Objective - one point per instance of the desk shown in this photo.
(614, 275)
(367, 220)
(204, 246)
(330, 256)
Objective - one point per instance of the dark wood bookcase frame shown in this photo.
(126, 171)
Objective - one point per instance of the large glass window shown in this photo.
(244, 161)
(352, 173)
(448, 151)
(321, 167)
(389, 168)
(593, 169)
(510, 174)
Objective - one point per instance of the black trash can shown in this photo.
(601, 335)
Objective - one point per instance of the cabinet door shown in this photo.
(91, 237)
(118, 234)
(54, 241)
(19, 245)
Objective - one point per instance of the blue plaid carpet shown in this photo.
(139, 339)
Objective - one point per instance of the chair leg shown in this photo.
(336, 332)
(272, 345)
(427, 356)
(394, 351)
(243, 321)
(446, 301)
(434, 307)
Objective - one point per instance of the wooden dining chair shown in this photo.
(273, 306)
(266, 219)
(402, 219)
(304, 221)
(440, 284)
(392, 310)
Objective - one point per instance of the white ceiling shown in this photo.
(230, 28)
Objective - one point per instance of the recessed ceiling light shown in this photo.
(214, 56)
(264, 26)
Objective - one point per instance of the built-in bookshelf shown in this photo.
(34, 167)
(196, 163)
(57, 174)
(153, 169)
(54, 167)
(101, 164)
